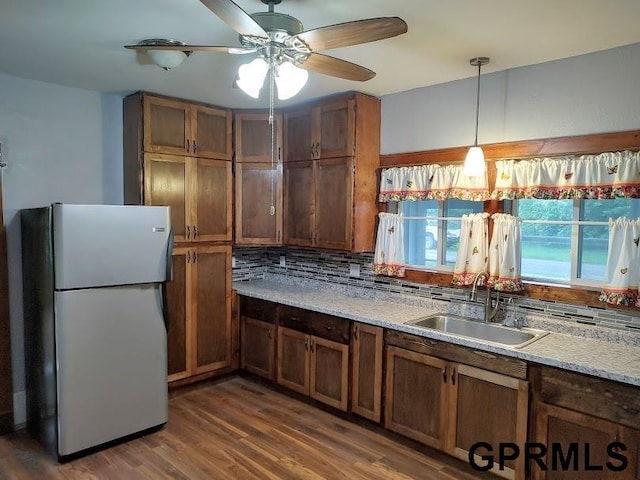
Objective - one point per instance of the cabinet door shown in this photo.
(298, 135)
(166, 126)
(179, 303)
(211, 190)
(211, 132)
(258, 187)
(299, 203)
(334, 203)
(293, 360)
(254, 138)
(488, 407)
(560, 427)
(329, 375)
(257, 348)
(366, 371)
(416, 396)
(211, 334)
(166, 183)
(334, 129)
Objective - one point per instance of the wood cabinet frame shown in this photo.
(374, 371)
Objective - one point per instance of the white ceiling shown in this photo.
(79, 43)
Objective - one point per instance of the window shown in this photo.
(566, 241)
(432, 231)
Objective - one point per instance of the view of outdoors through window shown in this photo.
(568, 252)
(430, 242)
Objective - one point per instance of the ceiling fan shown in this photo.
(283, 47)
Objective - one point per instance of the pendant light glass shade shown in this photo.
(474, 164)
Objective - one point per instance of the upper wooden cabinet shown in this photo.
(328, 129)
(332, 150)
(184, 128)
(198, 190)
(258, 179)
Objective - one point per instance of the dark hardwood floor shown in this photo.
(239, 429)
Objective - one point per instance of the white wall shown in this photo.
(61, 145)
(593, 93)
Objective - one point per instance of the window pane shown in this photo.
(420, 236)
(457, 208)
(546, 249)
(594, 240)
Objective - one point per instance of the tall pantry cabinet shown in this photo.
(179, 153)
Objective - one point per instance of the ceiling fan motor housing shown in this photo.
(271, 21)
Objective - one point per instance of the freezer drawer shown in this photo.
(111, 364)
(105, 245)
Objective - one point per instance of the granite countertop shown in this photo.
(605, 359)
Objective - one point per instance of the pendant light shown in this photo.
(474, 164)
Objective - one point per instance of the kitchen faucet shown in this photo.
(489, 314)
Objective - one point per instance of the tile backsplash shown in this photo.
(336, 267)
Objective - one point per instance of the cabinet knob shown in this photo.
(188, 256)
(270, 333)
(195, 232)
(188, 232)
(187, 146)
(453, 376)
(312, 342)
(444, 374)
(195, 147)
(355, 332)
(306, 343)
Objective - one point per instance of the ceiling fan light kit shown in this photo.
(288, 52)
(474, 164)
(166, 59)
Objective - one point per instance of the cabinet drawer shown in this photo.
(456, 353)
(599, 397)
(258, 309)
(329, 327)
(294, 318)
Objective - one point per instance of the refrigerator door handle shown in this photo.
(168, 278)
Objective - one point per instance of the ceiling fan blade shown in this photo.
(193, 48)
(353, 33)
(337, 68)
(235, 17)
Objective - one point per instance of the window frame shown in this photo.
(554, 146)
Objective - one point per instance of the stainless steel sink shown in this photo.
(488, 332)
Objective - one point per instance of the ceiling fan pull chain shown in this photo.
(272, 208)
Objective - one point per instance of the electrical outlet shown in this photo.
(233, 262)
(283, 261)
(354, 270)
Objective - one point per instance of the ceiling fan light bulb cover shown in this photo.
(251, 77)
(474, 164)
(290, 80)
(167, 59)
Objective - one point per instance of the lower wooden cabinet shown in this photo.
(199, 302)
(366, 370)
(450, 406)
(257, 348)
(313, 366)
(578, 446)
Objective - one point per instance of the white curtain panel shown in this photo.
(607, 175)
(473, 249)
(431, 182)
(389, 255)
(505, 254)
(623, 263)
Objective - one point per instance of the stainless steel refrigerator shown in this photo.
(95, 322)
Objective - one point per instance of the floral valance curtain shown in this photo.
(608, 175)
(622, 278)
(431, 182)
(505, 254)
(389, 255)
(473, 249)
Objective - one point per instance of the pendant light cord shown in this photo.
(475, 142)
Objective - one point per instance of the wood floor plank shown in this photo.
(240, 430)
